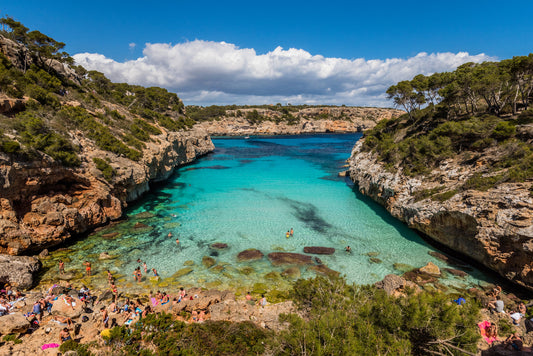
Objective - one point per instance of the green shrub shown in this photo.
(105, 168)
(504, 130)
(37, 135)
(8, 146)
(362, 320)
(71, 345)
(12, 337)
(526, 117)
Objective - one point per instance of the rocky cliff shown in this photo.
(44, 203)
(307, 120)
(75, 148)
(493, 227)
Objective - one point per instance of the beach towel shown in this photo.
(483, 326)
(154, 302)
(49, 346)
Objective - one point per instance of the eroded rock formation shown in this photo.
(43, 203)
(308, 120)
(493, 227)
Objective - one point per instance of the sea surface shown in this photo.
(247, 194)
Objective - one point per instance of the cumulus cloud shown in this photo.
(206, 72)
(132, 46)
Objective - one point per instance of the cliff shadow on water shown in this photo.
(455, 259)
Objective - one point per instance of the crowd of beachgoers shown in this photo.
(68, 308)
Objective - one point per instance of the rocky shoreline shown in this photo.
(308, 120)
(494, 227)
(44, 204)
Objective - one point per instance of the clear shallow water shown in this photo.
(247, 194)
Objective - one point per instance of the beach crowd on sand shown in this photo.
(65, 312)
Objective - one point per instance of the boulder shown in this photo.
(430, 269)
(318, 250)
(13, 324)
(250, 255)
(391, 283)
(58, 290)
(18, 270)
(219, 245)
(60, 307)
(105, 256)
(208, 261)
(43, 254)
(288, 258)
(439, 256)
(322, 269)
(291, 273)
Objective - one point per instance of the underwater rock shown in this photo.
(292, 273)
(219, 245)
(289, 258)
(208, 261)
(214, 254)
(372, 254)
(217, 269)
(375, 260)
(273, 275)
(439, 256)
(318, 261)
(67, 276)
(105, 256)
(182, 272)
(418, 277)
(318, 250)
(246, 270)
(188, 263)
(456, 272)
(110, 235)
(402, 267)
(430, 269)
(143, 215)
(140, 225)
(322, 269)
(249, 255)
(259, 288)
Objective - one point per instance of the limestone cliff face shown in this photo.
(494, 227)
(308, 120)
(43, 203)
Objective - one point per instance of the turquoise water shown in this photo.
(247, 194)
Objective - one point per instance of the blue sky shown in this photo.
(341, 48)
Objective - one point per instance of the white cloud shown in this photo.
(132, 46)
(205, 73)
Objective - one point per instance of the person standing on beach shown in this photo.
(87, 265)
(292, 232)
(61, 267)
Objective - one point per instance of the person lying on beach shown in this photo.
(63, 320)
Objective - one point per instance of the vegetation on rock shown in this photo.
(472, 113)
(61, 99)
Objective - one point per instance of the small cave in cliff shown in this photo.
(65, 185)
